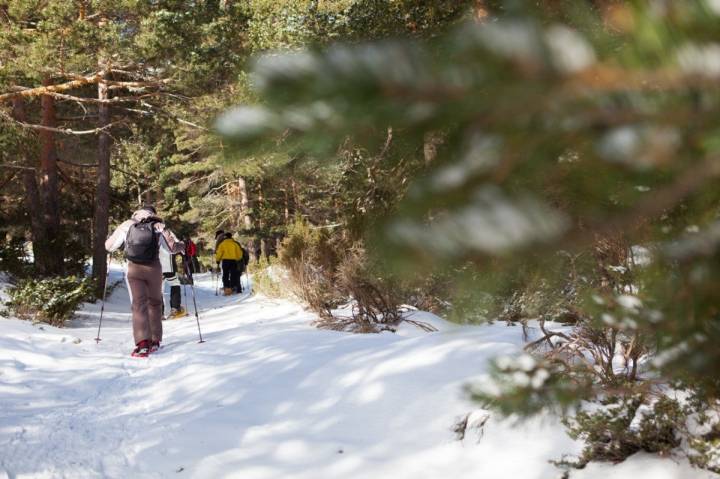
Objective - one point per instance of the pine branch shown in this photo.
(64, 131)
(653, 206)
(167, 114)
(116, 85)
(117, 99)
(68, 131)
(17, 167)
(80, 82)
(95, 165)
(44, 90)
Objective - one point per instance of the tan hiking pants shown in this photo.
(145, 282)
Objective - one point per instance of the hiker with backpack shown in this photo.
(143, 235)
(228, 254)
(168, 261)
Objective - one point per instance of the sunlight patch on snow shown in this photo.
(370, 393)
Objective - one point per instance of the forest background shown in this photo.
(486, 160)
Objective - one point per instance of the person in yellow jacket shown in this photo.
(228, 254)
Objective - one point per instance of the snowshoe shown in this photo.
(177, 313)
(142, 350)
(154, 346)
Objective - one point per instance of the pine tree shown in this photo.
(127, 62)
(560, 139)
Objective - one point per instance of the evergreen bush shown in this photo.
(12, 257)
(52, 300)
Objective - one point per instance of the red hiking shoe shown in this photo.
(142, 350)
(154, 346)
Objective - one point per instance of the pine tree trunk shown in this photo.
(261, 224)
(247, 219)
(49, 190)
(102, 192)
(263, 248)
(296, 198)
(244, 204)
(37, 230)
(287, 207)
(32, 198)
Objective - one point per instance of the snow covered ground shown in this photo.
(267, 396)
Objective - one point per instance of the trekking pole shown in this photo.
(102, 307)
(192, 288)
(215, 284)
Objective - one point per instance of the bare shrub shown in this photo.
(325, 272)
(376, 305)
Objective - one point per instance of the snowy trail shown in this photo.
(267, 396)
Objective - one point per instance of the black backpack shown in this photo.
(141, 243)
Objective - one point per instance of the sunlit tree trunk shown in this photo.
(247, 219)
(261, 225)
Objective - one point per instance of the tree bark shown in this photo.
(287, 207)
(102, 192)
(247, 219)
(48, 87)
(261, 223)
(296, 198)
(49, 193)
(32, 198)
(32, 203)
(244, 204)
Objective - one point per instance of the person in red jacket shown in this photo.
(191, 255)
